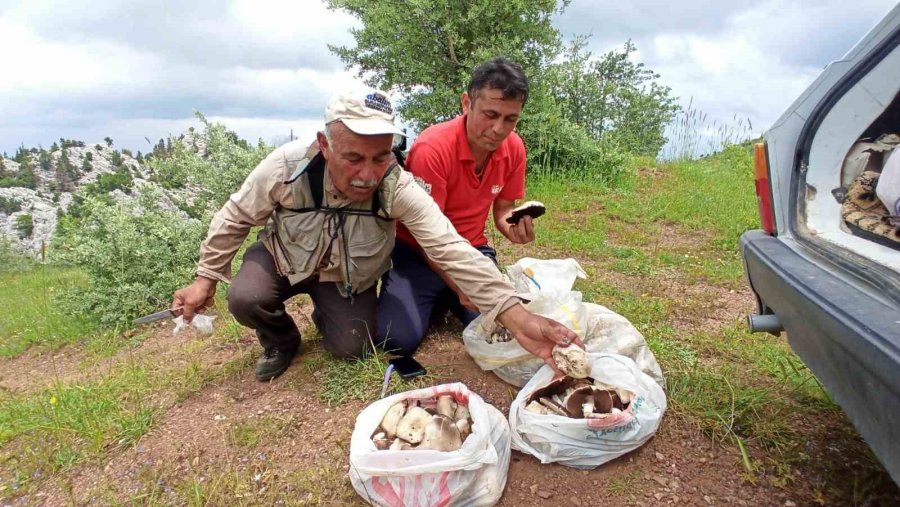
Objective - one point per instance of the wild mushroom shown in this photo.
(462, 412)
(446, 406)
(572, 360)
(392, 418)
(441, 434)
(399, 445)
(412, 426)
(537, 408)
(580, 402)
(553, 406)
(381, 441)
(603, 401)
(464, 428)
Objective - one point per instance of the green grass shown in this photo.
(31, 313)
(44, 432)
(340, 380)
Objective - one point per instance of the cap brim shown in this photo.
(371, 127)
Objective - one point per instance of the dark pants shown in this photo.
(256, 299)
(410, 292)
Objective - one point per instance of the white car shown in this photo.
(831, 283)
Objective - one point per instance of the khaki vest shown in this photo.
(293, 235)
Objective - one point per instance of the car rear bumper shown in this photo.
(847, 337)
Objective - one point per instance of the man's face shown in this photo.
(356, 163)
(490, 118)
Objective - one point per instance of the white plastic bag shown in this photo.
(608, 332)
(508, 360)
(544, 275)
(202, 323)
(601, 330)
(588, 443)
(474, 475)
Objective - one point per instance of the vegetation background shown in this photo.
(634, 207)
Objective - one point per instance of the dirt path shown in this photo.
(239, 442)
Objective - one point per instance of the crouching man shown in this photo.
(330, 212)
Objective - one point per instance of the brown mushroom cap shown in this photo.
(576, 400)
(441, 434)
(603, 401)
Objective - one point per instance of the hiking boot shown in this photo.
(272, 363)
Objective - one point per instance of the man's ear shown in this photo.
(465, 101)
(323, 143)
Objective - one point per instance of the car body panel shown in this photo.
(849, 339)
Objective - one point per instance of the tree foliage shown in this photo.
(213, 174)
(581, 107)
(426, 49)
(613, 96)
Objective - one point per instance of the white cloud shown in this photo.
(88, 69)
(735, 60)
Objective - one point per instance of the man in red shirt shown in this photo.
(469, 165)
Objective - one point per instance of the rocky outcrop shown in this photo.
(51, 197)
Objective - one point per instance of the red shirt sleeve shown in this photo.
(430, 171)
(514, 187)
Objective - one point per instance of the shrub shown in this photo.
(9, 205)
(135, 256)
(24, 225)
(215, 174)
(558, 147)
(11, 258)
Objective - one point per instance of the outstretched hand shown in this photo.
(538, 334)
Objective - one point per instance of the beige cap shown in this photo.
(366, 112)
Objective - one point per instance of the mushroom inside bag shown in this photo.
(422, 473)
(584, 423)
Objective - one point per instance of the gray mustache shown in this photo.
(364, 183)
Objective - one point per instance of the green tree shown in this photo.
(44, 160)
(24, 225)
(613, 97)
(86, 166)
(426, 49)
(108, 141)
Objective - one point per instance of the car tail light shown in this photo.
(763, 188)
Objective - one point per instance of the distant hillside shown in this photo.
(38, 185)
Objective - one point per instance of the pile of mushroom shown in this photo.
(500, 335)
(577, 395)
(584, 398)
(439, 424)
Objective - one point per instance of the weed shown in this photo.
(31, 315)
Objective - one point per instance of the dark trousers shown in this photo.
(410, 292)
(256, 299)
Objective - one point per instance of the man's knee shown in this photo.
(401, 336)
(245, 303)
(353, 345)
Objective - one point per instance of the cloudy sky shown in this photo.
(131, 69)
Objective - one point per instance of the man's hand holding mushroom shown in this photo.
(538, 334)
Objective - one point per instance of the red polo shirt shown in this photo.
(442, 163)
